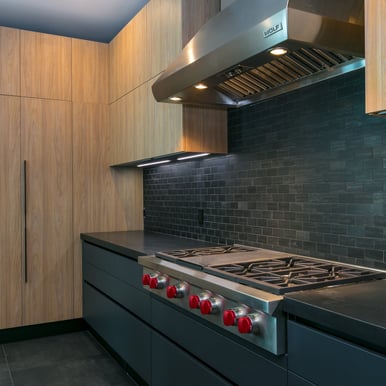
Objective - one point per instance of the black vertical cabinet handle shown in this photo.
(25, 220)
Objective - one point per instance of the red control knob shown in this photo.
(153, 283)
(159, 281)
(229, 318)
(206, 307)
(194, 301)
(244, 325)
(145, 279)
(171, 291)
(179, 290)
(250, 324)
(213, 305)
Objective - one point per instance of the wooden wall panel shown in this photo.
(195, 14)
(204, 128)
(47, 148)
(11, 214)
(90, 71)
(9, 61)
(45, 66)
(164, 133)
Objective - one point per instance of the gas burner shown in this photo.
(205, 251)
(292, 273)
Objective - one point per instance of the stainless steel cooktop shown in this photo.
(272, 271)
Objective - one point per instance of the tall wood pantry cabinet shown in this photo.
(11, 213)
(36, 257)
(55, 116)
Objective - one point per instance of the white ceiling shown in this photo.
(98, 20)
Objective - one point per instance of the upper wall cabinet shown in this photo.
(142, 128)
(90, 71)
(375, 14)
(129, 66)
(9, 61)
(145, 46)
(45, 66)
(164, 28)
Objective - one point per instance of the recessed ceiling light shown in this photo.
(277, 51)
(201, 86)
(176, 99)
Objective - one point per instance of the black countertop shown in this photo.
(139, 243)
(356, 312)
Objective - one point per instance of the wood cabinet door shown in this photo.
(129, 65)
(164, 28)
(90, 71)
(47, 148)
(104, 199)
(375, 46)
(164, 132)
(9, 61)
(11, 214)
(45, 65)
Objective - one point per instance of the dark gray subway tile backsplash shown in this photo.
(305, 173)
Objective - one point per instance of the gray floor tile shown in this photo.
(5, 378)
(3, 361)
(52, 350)
(88, 372)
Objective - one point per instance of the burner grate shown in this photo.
(205, 251)
(292, 274)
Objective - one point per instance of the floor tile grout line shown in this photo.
(6, 361)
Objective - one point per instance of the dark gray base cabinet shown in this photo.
(295, 380)
(172, 366)
(325, 360)
(125, 334)
(116, 307)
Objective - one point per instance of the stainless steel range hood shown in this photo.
(231, 53)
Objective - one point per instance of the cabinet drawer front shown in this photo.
(135, 300)
(125, 334)
(116, 265)
(172, 366)
(216, 350)
(327, 360)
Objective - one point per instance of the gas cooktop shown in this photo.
(272, 271)
(292, 273)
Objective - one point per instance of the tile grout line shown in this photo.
(6, 360)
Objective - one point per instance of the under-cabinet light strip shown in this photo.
(192, 156)
(153, 163)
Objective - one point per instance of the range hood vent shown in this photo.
(231, 54)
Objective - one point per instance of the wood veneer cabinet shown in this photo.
(105, 199)
(143, 128)
(11, 214)
(164, 26)
(47, 148)
(129, 65)
(9, 61)
(90, 71)
(45, 65)
(375, 48)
